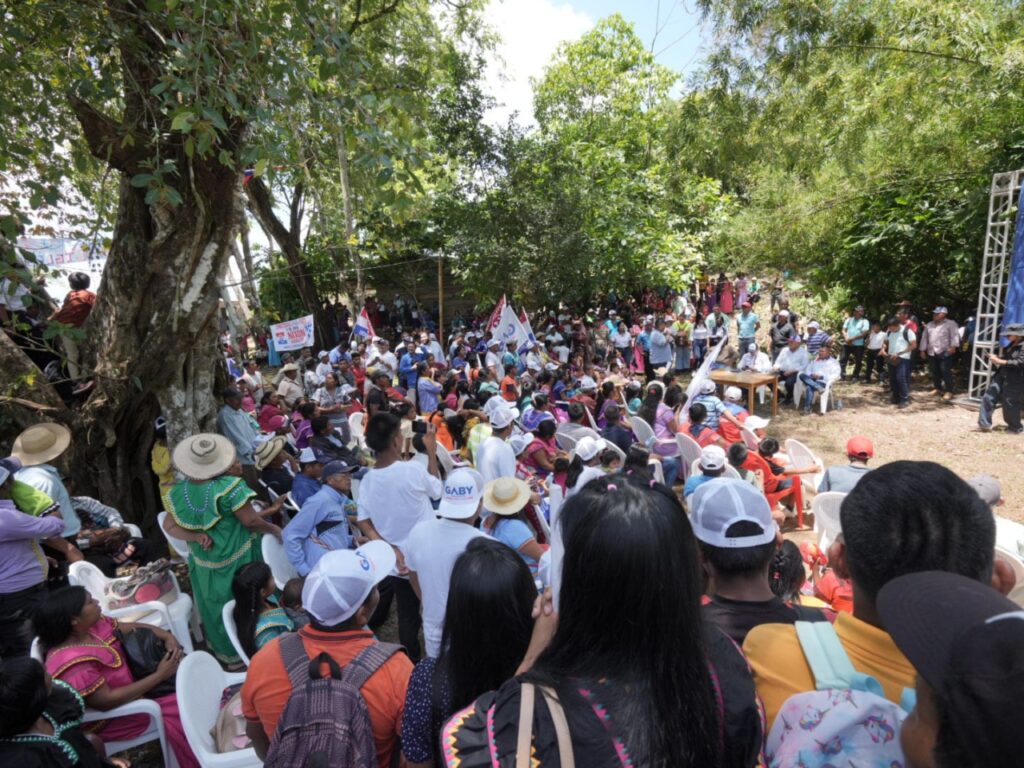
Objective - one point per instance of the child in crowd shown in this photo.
(291, 601)
(258, 618)
(787, 576)
(833, 586)
(610, 460)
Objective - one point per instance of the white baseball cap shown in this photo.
(733, 393)
(587, 383)
(341, 581)
(813, 324)
(588, 447)
(463, 491)
(751, 347)
(712, 457)
(307, 456)
(783, 313)
(520, 443)
(707, 387)
(502, 417)
(756, 422)
(718, 504)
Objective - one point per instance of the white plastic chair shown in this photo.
(800, 456)
(200, 683)
(134, 530)
(689, 451)
(275, 556)
(752, 441)
(618, 451)
(659, 471)
(173, 616)
(645, 434)
(1010, 535)
(798, 393)
(357, 426)
(155, 731)
(825, 509)
(444, 458)
(177, 546)
(228, 617)
(590, 418)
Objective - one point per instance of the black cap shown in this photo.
(967, 642)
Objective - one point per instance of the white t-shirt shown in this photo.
(588, 474)
(495, 458)
(492, 360)
(562, 351)
(622, 340)
(431, 551)
(876, 340)
(396, 498)
(900, 341)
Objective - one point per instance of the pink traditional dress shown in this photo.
(725, 300)
(87, 667)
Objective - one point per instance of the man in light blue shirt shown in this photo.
(747, 324)
(855, 333)
(661, 346)
(237, 426)
(322, 524)
(46, 478)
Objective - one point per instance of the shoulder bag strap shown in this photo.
(369, 660)
(565, 756)
(295, 659)
(828, 660)
(525, 735)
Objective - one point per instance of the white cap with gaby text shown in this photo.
(463, 491)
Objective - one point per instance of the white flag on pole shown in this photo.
(705, 369)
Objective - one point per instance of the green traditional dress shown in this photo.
(209, 507)
(272, 623)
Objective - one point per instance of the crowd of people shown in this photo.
(582, 540)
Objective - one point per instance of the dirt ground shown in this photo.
(930, 430)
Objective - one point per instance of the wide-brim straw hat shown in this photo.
(506, 495)
(266, 451)
(204, 456)
(41, 443)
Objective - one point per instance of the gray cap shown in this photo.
(1014, 329)
(988, 488)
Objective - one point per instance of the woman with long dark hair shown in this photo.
(662, 418)
(640, 677)
(487, 628)
(258, 618)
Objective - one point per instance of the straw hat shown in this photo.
(289, 368)
(41, 443)
(204, 456)
(506, 495)
(266, 451)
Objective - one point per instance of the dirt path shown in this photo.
(929, 430)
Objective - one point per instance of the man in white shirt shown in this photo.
(754, 360)
(435, 348)
(386, 359)
(434, 545)
(561, 352)
(394, 497)
(789, 364)
(819, 374)
(900, 343)
(495, 457)
(323, 367)
(534, 363)
(492, 360)
(254, 379)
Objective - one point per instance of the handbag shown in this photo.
(524, 738)
(144, 652)
(150, 582)
(229, 731)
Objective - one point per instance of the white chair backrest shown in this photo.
(565, 442)
(825, 508)
(659, 472)
(199, 682)
(85, 574)
(612, 446)
(643, 431)
(752, 441)
(177, 545)
(355, 488)
(1010, 535)
(444, 458)
(356, 423)
(689, 449)
(590, 418)
(731, 473)
(36, 651)
(227, 616)
(275, 556)
(801, 456)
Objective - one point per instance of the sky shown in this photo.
(531, 31)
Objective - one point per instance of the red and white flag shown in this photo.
(496, 315)
(363, 326)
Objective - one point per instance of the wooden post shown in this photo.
(440, 298)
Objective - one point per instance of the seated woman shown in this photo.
(661, 416)
(270, 407)
(327, 444)
(487, 628)
(641, 678)
(506, 499)
(543, 450)
(697, 428)
(40, 720)
(83, 649)
(258, 617)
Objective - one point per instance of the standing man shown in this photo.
(747, 324)
(940, 340)
(644, 340)
(492, 360)
(1007, 383)
(900, 343)
(780, 331)
(289, 388)
(661, 347)
(237, 426)
(495, 457)
(855, 333)
(816, 338)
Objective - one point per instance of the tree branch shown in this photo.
(897, 49)
(380, 13)
(103, 135)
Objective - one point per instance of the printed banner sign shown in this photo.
(293, 334)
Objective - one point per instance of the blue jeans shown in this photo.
(1011, 401)
(670, 468)
(699, 347)
(899, 380)
(813, 385)
(745, 342)
(682, 358)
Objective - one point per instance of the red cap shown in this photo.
(861, 447)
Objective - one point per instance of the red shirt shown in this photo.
(755, 462)
(76, 308)
(837, 592)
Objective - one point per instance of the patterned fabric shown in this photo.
(271, 624)
(209, 507)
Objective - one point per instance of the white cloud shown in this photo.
(530, 31)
